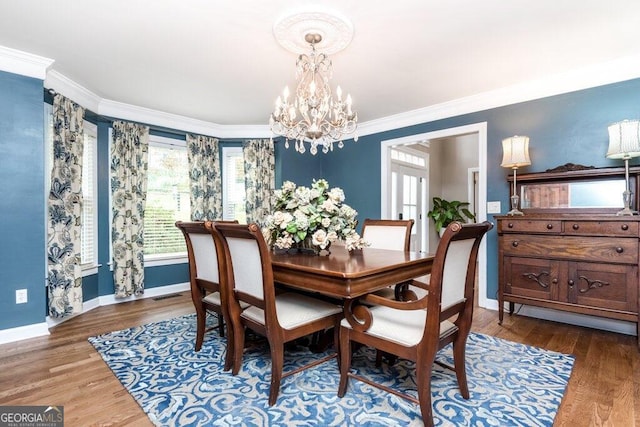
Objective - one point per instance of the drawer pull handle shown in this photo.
(625, 227)
(619, 250)
(554, 281)
(571, 283)
(514, 244)
(510, 225)
(549, 226)
(575, 226)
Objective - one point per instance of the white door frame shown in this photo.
(481, 130)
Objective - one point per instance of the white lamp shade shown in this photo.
(624, 140)
(515, 152)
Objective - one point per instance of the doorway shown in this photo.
(480, 131)
(409, 183)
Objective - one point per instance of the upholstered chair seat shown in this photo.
(294, 310)
(404, 327)
(212, 298)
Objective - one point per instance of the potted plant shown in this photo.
(445, 212)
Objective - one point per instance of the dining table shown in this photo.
(347, 275)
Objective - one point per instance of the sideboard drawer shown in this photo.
(602, 228)
(603, 249)
(530, 226)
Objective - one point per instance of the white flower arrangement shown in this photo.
(318, 214)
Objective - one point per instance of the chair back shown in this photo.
(201, 252)
(246, 270)
(392, 234)
(452, 284)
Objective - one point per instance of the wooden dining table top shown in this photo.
(343, 274)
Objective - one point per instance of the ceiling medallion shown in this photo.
(335, 30)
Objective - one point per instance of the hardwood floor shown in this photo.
(64, 369)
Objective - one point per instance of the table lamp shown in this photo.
(624, 143)
(515, 153)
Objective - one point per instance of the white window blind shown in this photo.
(89, 236)
(233, 188)
(167, 197)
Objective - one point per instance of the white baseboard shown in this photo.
(23, 332)
(596, 322)
(41, 329)
(148, 293)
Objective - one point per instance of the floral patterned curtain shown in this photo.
(205, 179)
(129, 153)
(260, 182)
(64, 275)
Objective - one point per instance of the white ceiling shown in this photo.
(218, 61)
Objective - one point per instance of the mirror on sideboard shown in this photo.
(576, 188)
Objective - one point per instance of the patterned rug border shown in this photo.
(511, 384)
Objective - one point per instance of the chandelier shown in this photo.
(313, 115)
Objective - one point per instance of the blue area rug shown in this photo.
(510, 384)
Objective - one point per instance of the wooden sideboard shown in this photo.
(578, 260)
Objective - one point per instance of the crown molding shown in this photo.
(122, 111)
(72, 90)
(23, 63)
(134, 113)
(619, 70)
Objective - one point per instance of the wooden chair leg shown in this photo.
(336, 342)
(238, 347)
(229, 352)
(345, 361)
(201, 316)
(423, 376)
(220, 324)
(277, 363)
(459, 346)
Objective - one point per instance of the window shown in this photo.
(89, 231)
(233, 190)
(402, 156)
(89, 236)
(167, 198)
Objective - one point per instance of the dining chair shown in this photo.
(247, 275)
(204, 278)
(416, 330)
(394, 234)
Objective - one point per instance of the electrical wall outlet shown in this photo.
(493, 207)
(21, 296)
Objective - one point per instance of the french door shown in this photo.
(409, 187)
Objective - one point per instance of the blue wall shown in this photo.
(565, 128)
(22, 253)
(295, 167)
